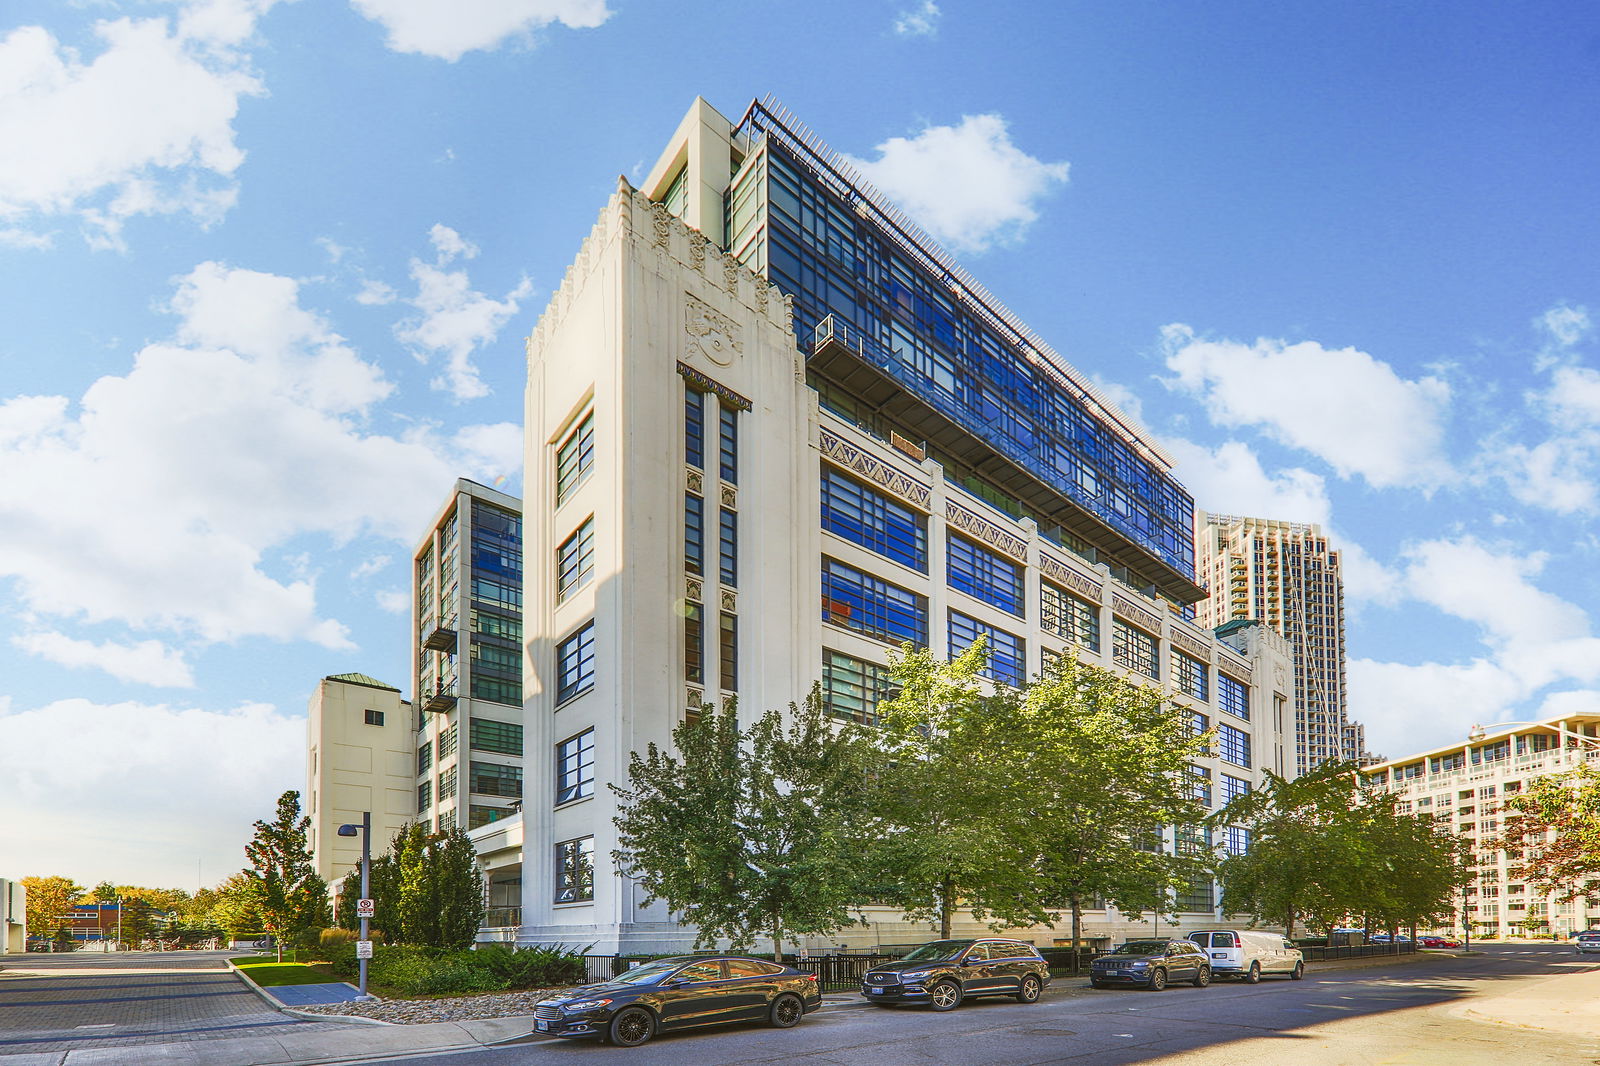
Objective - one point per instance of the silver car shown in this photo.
(1587, 942)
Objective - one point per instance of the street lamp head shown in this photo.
(1476, 733)
(349, 830)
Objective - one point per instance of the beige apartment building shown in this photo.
(1463, 785)
(360, 755)
(1286, 575)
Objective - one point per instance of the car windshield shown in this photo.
(939, 951)
(1141, 947)
(648, 973)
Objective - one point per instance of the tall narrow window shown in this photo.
(575, 560)
(575, 458)
(694, 643)
(694, 427)
(1233, 745)
(575, 664)
(575, 767)
(728, 444)
(728, 547)
(728, 646)
(694, 533)
(575, 870)
(1233, 696)
(1191, 676)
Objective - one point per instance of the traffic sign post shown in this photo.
(364, 908)
(363, 950)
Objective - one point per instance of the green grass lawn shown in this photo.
(266, 972)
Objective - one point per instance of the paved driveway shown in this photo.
(57, 1003)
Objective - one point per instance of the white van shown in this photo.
(1250, 955)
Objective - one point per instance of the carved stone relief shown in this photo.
(711, 333)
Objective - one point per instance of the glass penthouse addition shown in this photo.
(901, 341)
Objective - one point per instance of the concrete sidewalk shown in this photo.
(1568, 1003)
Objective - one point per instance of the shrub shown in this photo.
(333, 938)
(541, 966)
(419, 975)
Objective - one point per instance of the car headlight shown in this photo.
(1140, 964)
(915, 975)
(583, 1004)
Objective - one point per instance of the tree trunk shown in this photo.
(777, 940)
(1077, 930)
(946, 906)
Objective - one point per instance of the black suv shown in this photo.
(1152, 963)
(945, 972)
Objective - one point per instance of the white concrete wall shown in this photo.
(352, 767)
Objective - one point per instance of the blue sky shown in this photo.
(266, 268)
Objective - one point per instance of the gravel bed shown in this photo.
(447, 1009)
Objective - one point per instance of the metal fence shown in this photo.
(1314, 953)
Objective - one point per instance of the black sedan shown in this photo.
(945, 972)
(680, 993)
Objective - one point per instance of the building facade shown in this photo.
(466, 662)
(1463, 785)
(13, 917)
(757, 384)
(360, 758)
(1286, 575)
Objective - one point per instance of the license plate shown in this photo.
(543, 1027)
(876, 991)
(1219, 954)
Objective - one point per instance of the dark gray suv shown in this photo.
(1153, 964)
(945, 972)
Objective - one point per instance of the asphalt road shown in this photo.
(1405, 1016)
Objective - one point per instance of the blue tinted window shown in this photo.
(728, 444)
(575, 767)
(981, 573)
(1134, 649)
(867, 605)
(1191, 676)
(694, 533)
(694, 427)
(1069, 616)
(1233, 745)
(1007, 653)
(575, 664)
(873, 520)
(1233, 788)
(1233, 696)
(728, 547)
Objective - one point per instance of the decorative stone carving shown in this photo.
(1068, 577)
(788, 312)
(705, 384)
(730, 601)
(695, 699)
(730, 496)
(1236, 668)
(730, 274)
(693, 589)
(870, 467)
(986, 531)
(1136, 614)
(1189, 644)
(697, 250)
(661, 222)
(761, 295)
(711, 333)
(697, 481)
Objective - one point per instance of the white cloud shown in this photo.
(455, 319)
(1339, 404)
(393, 601)
(239, 760)
(369, 566)
(1411, 708)
(144, 127)
(919, 21)
(450, 30)
(1564, 325)
(1231, 480)
(968, 185)
(148, 662)
(375, 294)
(159, 498)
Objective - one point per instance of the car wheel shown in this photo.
(1028, 991)
(1157, 980)
(786, 1012)
(1253, 977)
(946, 995)
(632, 1026)
(1202, 978)
(1298, 973)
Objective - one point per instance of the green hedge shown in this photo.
(436, 972)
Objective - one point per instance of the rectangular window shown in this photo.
(694, 643)
(728, 649)
(694, 427)
(502, 737)
(575, 767)
(1191, 676)
(1233, 788)
(424, 796)
(447, 742)
(1134, 649)
(447, 821)
(728, 444)
(447, 783)
(1069, 617)
(496, 656)
(477, 815)
(853, 688)
(374, 717)
(575, 870)
(1007, 653)
(1233, 696)
(984, 575)
(1200, 785)
(575, 458)
(1233, 745)
(424, 758)
(575, 560)
(1238, 840)
(492, 779)
(728, 548)
(877, 522)
(694, 533)
(496, 625)
(872, 607)
(1196, 897)
(496, 593)
(575, 663)
(489, 688)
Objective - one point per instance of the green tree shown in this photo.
(425, 890)
(292, 898)
(749, 833)
(49, 900)
(459, 889)
(104, 892)
(236, 908)
(1555, 823)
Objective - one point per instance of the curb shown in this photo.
(283, 1008)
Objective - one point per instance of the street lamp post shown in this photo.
(365, 829)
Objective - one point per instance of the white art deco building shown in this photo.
(773, 433)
